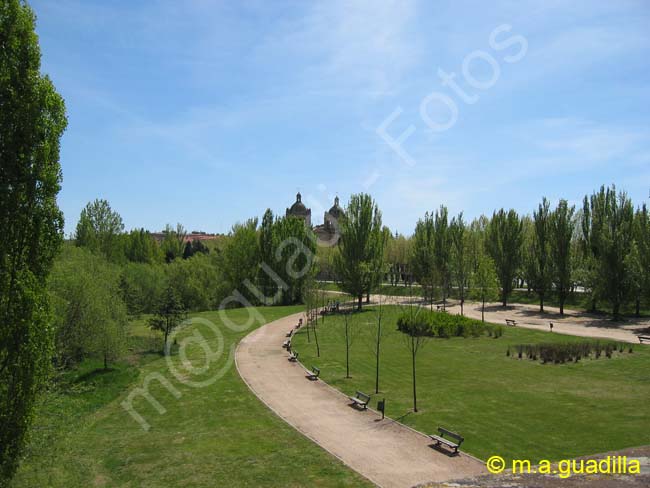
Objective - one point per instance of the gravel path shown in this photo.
(384, 451)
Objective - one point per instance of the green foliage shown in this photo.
(562, 227)
(194, 247)
(485, 285)
(100, 230)
(32, 120)
(196, 282)
(90, 314)
(503, 242)
(561, 353)
(240, 259)
(608, 230)
(140, 247)
(173, 243)
(443, 325)
(169, 314)
(142, 286)
(359, 261)
(542, 251)
(423, 256)
(460, 257)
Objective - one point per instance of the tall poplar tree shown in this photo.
(32, 120)
(504, 239)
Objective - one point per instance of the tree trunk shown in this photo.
(483, 311)
(315, 323)
(377, 365)
(638, 307)
(415, 396)
(368, 297)
(462, 304)
(616, 310)
(562, 298)
(360, 302)
(541, 303)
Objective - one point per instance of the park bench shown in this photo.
(440, 439)
(287, 345)
(643, 339)
(511, 322)
(360, 399)
(293, 357)
(289, 334)
(313, 374)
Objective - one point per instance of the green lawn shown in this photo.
(514, 408)
(218, 435)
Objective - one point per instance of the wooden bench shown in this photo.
(289, 334)
(440, 439)
(287, 345)
(313, 374)
(360, 399)
(293, 357)
(643, 339)
(511, 322)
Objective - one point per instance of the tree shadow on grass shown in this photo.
(95, 373)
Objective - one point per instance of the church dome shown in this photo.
(298, 208)
(336, 211)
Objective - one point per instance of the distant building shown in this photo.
(329, 231)
(299, 210)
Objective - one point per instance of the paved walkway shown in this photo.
(386, 452)
(572, 323)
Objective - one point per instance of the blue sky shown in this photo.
(207, 112)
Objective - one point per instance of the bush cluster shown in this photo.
(560, 353)
(443, 325)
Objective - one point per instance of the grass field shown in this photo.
(513, 408)
(218, 435)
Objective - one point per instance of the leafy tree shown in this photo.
(397, 255)
(562, 227)
(240, 259)
(266, 282)
(542, 251)
(423, 258)
(635, 276)
(194, 247)
(99, 229)
(642, 238)
(32, 120)
(294, 249)
(460, 257)
(504, 239)
(441, 251)
(608, 223)
(141, 247)
(417, 328)
(142, 286)
(169, 314)
(173, 243)
(90, 314)
(485, 283)
(528, 263)
(360, 257)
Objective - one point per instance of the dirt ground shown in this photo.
(384, 451)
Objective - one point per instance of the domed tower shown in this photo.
(332, 216)
(299, 210)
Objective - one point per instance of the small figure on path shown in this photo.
(551, 326)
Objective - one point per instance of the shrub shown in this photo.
(440, 324)
(560, 353)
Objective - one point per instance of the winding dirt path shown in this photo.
(384, 451)
(527, 316)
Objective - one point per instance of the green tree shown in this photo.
(266, 282)
(140, 247)
(100, 230)
(360, 252)
(32, 120)
(173, 243)
(441, 251)
(503, 242)
(542, 251)
(423, 256)
(460, 257)
(485, 283)
(608, 224)
(562, 228)
(240, 260)
(417, 329)
(169, 314)
(642, 238)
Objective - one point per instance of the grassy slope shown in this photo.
(220, 435)
(501, 405)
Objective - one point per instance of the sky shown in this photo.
(208, 112)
